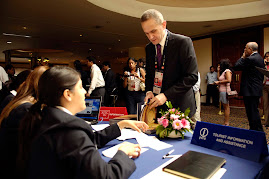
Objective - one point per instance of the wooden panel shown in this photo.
(231, 45)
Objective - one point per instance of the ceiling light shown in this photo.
(9, 42)
(109, 48)
(24, 28)
(17, 35)
(80, 35)
(119, 40)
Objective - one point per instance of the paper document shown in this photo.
(99, 127)
(158, 173)
(113, 150)
(143, 139)
(128, 134)
(151, 141)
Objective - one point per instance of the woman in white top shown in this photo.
(132, 79)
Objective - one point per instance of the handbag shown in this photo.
(231, 94)
(142, 86)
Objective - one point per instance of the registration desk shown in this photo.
(151, 159)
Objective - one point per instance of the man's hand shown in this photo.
(158, 100)
(149, 95)
(244, 55)
(87, 95)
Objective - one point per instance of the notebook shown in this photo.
(195, 165)
(92, 111)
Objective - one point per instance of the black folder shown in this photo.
(195, 165)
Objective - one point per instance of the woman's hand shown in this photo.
(130, 149)
(136, 125)
(217, 82)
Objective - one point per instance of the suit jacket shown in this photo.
(180, 71)
(65, 147)
(252, 79)
(9, 140)
(110, 81)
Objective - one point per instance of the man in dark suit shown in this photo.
(251, 83)
(171, 57)
(110, 82)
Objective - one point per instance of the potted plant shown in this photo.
(173, 122)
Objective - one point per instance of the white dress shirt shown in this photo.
(97, 79)
(3, 76)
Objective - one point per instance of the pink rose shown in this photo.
(165, 123)
(174, 117)
(160, 120)
(185, 123)
(177, 124)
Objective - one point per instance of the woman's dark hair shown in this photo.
(78, 65)
(51, 86)
(27, 92)
(225, 64)
(131, 58)
(266, 53)
(20, 78)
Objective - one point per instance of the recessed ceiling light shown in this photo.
(119, 40)
(109, 48)
(17, 35)
(24, 27)
(9, 42)
(80, 35)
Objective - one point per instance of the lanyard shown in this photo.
(164, 52)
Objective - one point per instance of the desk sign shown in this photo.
(111, 112)
(243, 143)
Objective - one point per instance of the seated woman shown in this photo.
(10, 119)
(61, 145)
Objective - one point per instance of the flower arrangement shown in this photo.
(173, 120)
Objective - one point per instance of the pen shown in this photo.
(168, 153)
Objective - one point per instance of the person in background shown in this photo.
(266, 91)
(142, 63)
(97, 86)
(110, 82)
(10, 119)
(170, 58)
(196, 88)
(84, 75)
(251, 83)
(212, 90)
(225, 78)
(3, 77)
(66, 146)
(133, 76)
(10, 71)
(14, 86)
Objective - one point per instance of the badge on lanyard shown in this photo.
(158, 80)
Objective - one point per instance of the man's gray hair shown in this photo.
(152, 14)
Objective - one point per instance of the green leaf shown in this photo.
(187, 112)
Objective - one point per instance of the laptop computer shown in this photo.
(92, 111)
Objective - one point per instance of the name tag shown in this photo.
(158, 80)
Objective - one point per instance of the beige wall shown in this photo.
(266, 39)
(203, 50)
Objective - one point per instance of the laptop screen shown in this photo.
(91, 113)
